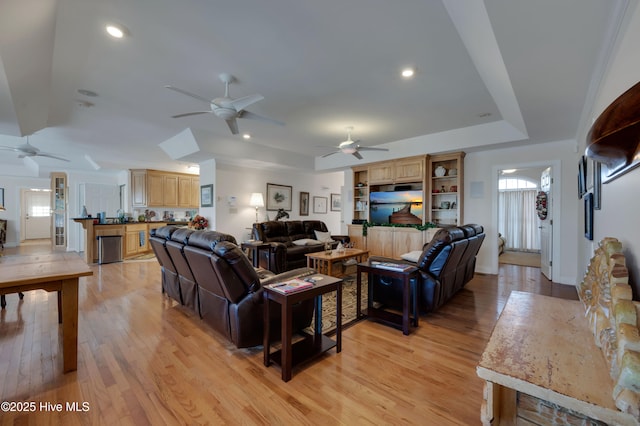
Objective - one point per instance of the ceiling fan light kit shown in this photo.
(351, 147)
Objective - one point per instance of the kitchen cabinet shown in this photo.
(446, 184)
(154, 188)
(138, 188)
(381, 173)
(136, 239)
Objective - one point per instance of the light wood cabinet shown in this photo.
(138, 188)
(135, 239)
(381, 174)
(409, 170)
(446, 185)
(356, 237)
(360, 194)
(390, 241)
(154, 188)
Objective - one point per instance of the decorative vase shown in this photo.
(327, 248)
(440, 171)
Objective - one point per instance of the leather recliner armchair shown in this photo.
(446, 265)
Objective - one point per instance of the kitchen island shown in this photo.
(135, 236)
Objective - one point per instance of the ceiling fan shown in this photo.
(28, 150)
(225, 107)
(351, 147)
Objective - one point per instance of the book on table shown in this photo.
(290, 286)
(399, 267)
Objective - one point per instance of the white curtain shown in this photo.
(517, 220)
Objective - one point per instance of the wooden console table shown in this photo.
(542, 347)
(55, 272)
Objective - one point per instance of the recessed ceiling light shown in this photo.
(507, 171)
(115, 31)
(246, 136)
(407, 72)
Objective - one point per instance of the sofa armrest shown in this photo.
(344, 239)
(274, 259)
(294, 273)
(390, 260)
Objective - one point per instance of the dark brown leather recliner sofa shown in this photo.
(284, 254)
(227, 289)
(446, 265)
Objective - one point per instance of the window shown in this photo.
(515, 183)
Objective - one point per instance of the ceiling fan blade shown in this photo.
(357, 155)
(331, 153)
(241, 103)
(366, 148)
(9, 148)
(233, 125)
(193, 95)
(46, 154)
(253, 116)
(186, 114)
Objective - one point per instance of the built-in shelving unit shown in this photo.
(361, 194)
(445, 204)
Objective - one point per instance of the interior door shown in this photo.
(37, 214)
(546, 226)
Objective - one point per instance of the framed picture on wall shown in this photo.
(319, 204)
(206, 195)
(304, 203)
(336, 203)
(588, 216)
(597, 185)
(582, 176)
(279, 197)
(1, 198)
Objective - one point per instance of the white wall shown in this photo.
(620, 201)
(241, 182)
(12, 188)
(481, 170)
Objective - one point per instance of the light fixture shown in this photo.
(508, 171)
(246, 136)
(256, 201)
(408, 72)
(116, 31)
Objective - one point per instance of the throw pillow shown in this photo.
(305, 242)
(324, 237)
(412, 256)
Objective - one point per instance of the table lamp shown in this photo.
(256, 201)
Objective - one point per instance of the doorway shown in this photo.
(525, 236)
(36, 214)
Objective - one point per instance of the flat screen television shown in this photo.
(395, 207)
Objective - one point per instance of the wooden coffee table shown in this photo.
(323, 262)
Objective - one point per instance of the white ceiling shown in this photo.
(506, 71)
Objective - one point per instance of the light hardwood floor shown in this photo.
(145, 360)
